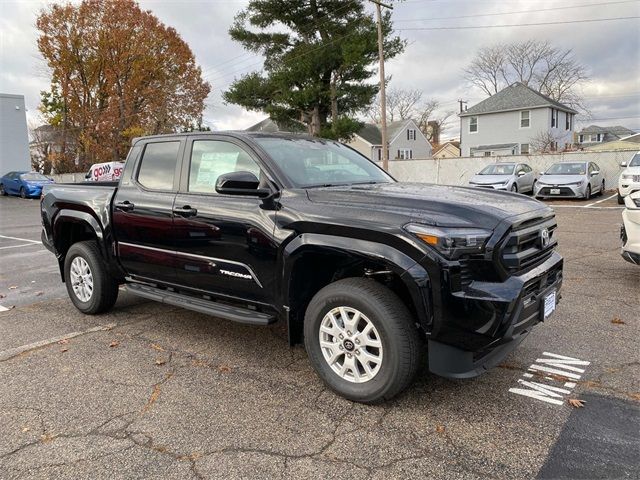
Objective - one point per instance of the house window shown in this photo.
(554, 118)
(411, 134)
(524, 119)
(524, 149)
(473, 124)
(487, 154)
(405, 154)
(580, 138)
(567, 124)
(554, 146)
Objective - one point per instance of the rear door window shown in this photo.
(158, 166)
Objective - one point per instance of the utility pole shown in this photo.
(383, 95)
(461, 102)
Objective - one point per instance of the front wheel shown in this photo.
(514, 187)
(90, 286)
(23, 192)
(361, 340)
(588, 194)
(620, 199)
(3, 192)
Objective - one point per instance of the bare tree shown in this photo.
(408, 104)
(543, 142)
(547, 69)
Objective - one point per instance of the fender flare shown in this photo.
(414, 276)
(74, 216)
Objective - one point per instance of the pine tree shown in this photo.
(319, 58)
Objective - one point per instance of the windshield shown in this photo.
(567, 169)
(317, 162)
(34, 177)
(502, 169)
(635, 161)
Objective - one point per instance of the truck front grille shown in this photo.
(528, 244)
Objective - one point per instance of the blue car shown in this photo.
(25, 184)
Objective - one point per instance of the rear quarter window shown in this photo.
(158, 165)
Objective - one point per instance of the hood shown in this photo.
(489, 179)
(561, 179)
(37, 183)
(438, 205)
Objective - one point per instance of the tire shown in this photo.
(400, 349)
(601, 192)
(588, 194)
(514, 187)
(23, 192)
(104, 291)
(3, 192)
(620, 199)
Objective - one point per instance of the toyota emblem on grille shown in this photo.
(544, 237)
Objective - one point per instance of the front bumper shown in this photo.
(630, 235)
(564, 191)
(492, 186)
(485, 321)
(627, 187)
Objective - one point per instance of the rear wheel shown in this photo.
(3, 192)
(601, 192)
(361, 340)
(90, 286)
(23, 192)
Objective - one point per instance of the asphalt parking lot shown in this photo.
(149, 391)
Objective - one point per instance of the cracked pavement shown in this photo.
(162, 392)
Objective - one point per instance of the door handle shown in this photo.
(185, 211)
(125, 206)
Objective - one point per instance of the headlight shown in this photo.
(540, 182)
(578, 184)
(451, 242)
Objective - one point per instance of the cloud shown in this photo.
(432, 62)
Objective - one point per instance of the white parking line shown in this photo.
(600, 201)
(587, 206)
(20, 239)
(3, 309)
(21, 245)
(13, 352)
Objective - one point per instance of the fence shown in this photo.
(458, 171)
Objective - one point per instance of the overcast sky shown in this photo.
(432, 62)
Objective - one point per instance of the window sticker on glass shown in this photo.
(214, 164)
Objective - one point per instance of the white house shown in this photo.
(405, 139)
(513, 121)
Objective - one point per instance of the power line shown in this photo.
(476, 27)
(567, 7)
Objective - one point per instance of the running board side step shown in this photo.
(220, 310)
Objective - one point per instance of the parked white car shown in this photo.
(630, 231)
(570, 180)
(514, 177)
(105, 172)
(629, 180)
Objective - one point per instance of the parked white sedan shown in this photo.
(629, 180)
(630, 231)
(514, 177)
(570, 180)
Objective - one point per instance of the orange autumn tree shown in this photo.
(116, 72)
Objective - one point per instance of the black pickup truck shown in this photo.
(369, 273)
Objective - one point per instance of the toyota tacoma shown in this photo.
(369, 273)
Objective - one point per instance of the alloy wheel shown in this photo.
(351, 344)
(81, 279)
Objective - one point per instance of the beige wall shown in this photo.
(457, 171)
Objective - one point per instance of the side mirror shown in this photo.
(623, 164)
(521, 173)
(595, 172)
(88, 175)
(541, 173)
(240, 183)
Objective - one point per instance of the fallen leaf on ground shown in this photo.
(440, 429)
(39, 293)
(13, 287)
(576, 402)
(160, 361)
(64, 341)
(65, 349)
(46, 438)
(157, 347)
(635, 396)
(224, 368)
(617, 321)
(114, 344)
(25, 429)
(2, 295)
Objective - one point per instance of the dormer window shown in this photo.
(411, 134)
